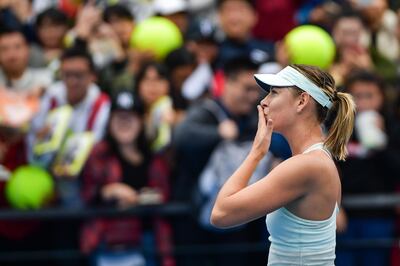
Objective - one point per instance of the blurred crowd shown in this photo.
(130, 102)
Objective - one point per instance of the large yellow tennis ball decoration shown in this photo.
(29, 187)
(158, 35)
(310, 45)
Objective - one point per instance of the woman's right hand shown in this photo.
(262, 139)
(122, 193)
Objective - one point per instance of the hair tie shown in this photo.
(335, 96)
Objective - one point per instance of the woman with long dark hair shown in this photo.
(122, 172)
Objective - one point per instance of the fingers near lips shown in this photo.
(263, 112)
(261, 116)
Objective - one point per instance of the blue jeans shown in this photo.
(364, 229)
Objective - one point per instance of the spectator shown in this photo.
(51, 26)
(77, 88)
(208, 122)
(352, 42)
(122, 22)
(383, 46)
(120, 72)
(318, 12)
(122, 172)
(382, 22)
(356, 49)
(203, 125)
(181, 64)
(18, 14)
(91, 33)
(174, 10)
(7, 17)
(204, 43)
(90, 114)
(237, 19)
(17, 77)
(14, 71)
(372, 167)
(28, 83)
(153, 88)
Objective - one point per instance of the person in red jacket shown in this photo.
(121, 172)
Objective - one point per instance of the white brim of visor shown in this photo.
(289, 77)
(266, 81)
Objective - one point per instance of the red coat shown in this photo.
(103, 167)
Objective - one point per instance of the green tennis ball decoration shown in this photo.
(158, 35)
(29, 187)
(310, 45)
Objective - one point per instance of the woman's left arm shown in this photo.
(287, 182)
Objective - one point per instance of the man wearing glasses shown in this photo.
(90, 106)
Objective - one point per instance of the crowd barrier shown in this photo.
(184, 210)
(173, 209)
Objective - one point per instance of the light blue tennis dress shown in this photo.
(298, 241)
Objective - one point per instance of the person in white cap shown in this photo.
(301, 196)
(174, 10)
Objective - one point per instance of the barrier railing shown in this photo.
(84, 213)
(182, 209)
(376, 201)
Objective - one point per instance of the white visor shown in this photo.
(289, 77)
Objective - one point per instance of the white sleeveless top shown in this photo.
(298, 241)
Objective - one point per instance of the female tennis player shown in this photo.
(301, 195)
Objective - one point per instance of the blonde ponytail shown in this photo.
(342, 126)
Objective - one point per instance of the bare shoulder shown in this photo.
(316, 160)
(306, 167)
(316, 173)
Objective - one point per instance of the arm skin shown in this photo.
(238, 203)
